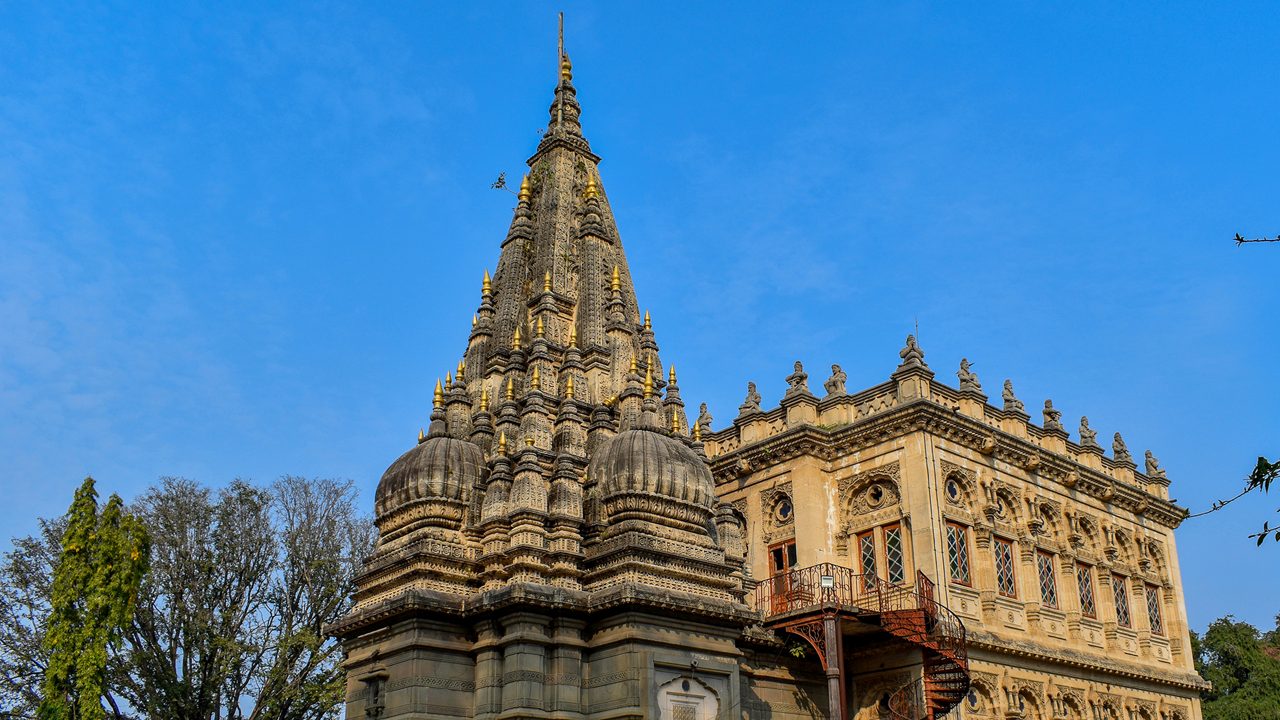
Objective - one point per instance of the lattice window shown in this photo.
(1006, 582)
(958, 553)
(1153, 610)
(1048, 579)
(1084, 581)
(1118, 584)
(867, 555)
(893, 558)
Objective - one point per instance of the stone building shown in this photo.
(562, 543)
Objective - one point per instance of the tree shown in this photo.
(94, 589)
(1265, 473)
(231, 617)
(26, 579)
(1244, 668)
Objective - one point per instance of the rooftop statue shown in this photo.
(704, 419)
(752, 403)
(1119, 451)
(835, 384)
(1154, 471)
(1088, 436)
(1011, 401)
(798, 381)
(968, 378)
(1052, 416)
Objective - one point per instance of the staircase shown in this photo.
(790, 601)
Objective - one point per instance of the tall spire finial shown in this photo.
(525, 193)
(486, 285)
(566, 69)
(615, 282)
(437, 398)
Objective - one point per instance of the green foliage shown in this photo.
(1244, 668)
(1263, 475)
(26, 579)
(101, 564)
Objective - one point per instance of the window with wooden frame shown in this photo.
(1084, 582)
(894, 557)
(867, 557)
(1119, 587)
(958, 554)
(782, 557)
(1006, 579)
(1154, 613)
(1048, 579)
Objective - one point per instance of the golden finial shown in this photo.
(486, 285)
(515, 339)
(648, 322)
(592, 190)
(474, 321)
(536, 382)
(484, 398)
(461, 371)
(573, 335)
(568, 388)
(615, 283)
(502, 443)
(438, 399)
(448, 379)
(511, 388)
(421, 435)
(648, 382)
(546, 282)
(542, 330)
(671, 376)
(697, 432)
(524, 189)
(633, 365)
(528, 441)
(675, 424)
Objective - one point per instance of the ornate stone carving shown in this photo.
(704, 419)
(968, 379)
(835, 384)
(1154, 471)
(1052, 417)
(797, 382)
(751, 405)
(1119, 451)
(911, 354)
(1011, 401)
(1088, 436)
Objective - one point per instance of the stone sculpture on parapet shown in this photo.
(1011, 401)
(751, 405)
(835, 384)
(968, 378)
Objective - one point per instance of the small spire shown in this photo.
(573, 335)
(438, 398)
(511, 389)
(542, 330)
(566, 67)
(515, 339)
(461, 371)
(524, 194)
(675, 424)
(671, 376)
(648, 322)
(536, 382)
(592, 190)
(421, 435)
(448, 379)
(632, 370)
(648, 382)
(474, 321)
(615, 283)
(502, 443)
(568, 388)
(486, 285)
(484, 398)
(697, 432)
(546, 282)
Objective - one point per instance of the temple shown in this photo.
(561, 543)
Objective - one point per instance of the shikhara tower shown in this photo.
(553, 546)
(562, 545)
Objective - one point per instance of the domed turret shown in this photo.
(430, 485)
(644, 474)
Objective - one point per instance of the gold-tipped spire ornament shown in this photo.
(648, 382)
(484, 398)
(421, 435)
(542, 329)
(671, 376)
(448, 379)
(461, 370)
(697, 432)
(511, 389)
(568, 388)
(546, 282)
(437, 399)
(536, 382)
(675, 424)
(573, 335)
(592, 190)
(474, 321)
(633, 370)
(486, 285)
(515, 339)
(615, 282)
(648, 322)
(524, 193)
(502, 443)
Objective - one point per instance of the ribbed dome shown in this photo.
(645, 461)
(439, 468)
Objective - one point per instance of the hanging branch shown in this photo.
(1240, 239)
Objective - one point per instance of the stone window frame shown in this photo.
(1047, 575)
(866, 544)
(1085, 588)
(959, 554)
(1120, 593)
(1155, 609)
(889, 563)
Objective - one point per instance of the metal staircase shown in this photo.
(815, 602)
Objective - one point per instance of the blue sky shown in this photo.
(243, 242)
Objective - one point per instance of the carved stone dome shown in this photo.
(644, 474)
(429, 485)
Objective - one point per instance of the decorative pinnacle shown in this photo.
(573, 335)
(615, 283)
(536, 382)
(546, 282)
(511, 389)
(448, 379)
(438, 398)
(461, 371)
(648, 382)
(592, 190)
(515, 339)
(697, 432)
(528, 441)
(484, 398)
(648, 322)
(502, 443)
(474, 321)
(486, 285)
(632, 370)
(524, 193)
(568, 388)
(675, 424)
(421, 435)
(542, 330)
(671, 376)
